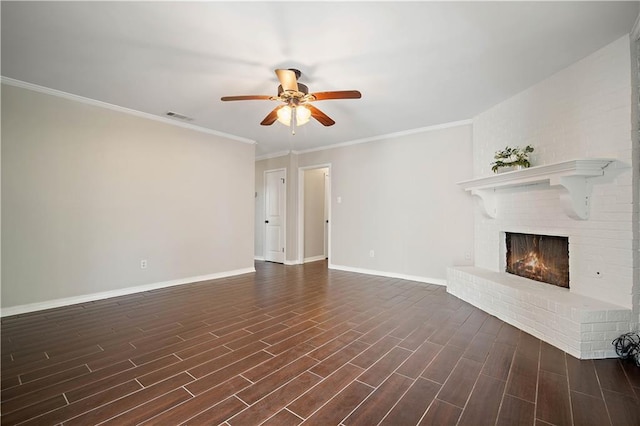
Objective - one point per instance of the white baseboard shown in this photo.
(314, 258)
(56, 303)
(260, 258)
(427, 280)
(291, 262)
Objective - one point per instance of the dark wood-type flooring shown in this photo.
(298, 344)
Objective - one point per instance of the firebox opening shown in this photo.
(542, 258)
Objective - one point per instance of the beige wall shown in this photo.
(314, 222)
(399, 198)
(88, 192)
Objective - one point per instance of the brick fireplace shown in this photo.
(583, 113)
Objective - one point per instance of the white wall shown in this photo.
(400, 199)
(88, 192)
(314, 221)
(582, 111)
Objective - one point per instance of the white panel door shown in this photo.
(275, 203)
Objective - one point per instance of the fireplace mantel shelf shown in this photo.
(576, 176)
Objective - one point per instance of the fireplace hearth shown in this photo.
(543, 258)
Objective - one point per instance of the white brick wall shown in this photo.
(582, 111)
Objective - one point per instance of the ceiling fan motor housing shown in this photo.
(302, 89)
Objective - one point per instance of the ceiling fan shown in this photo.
(296, 109)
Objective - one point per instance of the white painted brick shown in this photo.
(619, 315)
(590, 323)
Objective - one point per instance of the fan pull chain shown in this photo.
(294, 113)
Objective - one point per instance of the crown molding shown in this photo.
(58, 93)
(273, 155)
(389, 136)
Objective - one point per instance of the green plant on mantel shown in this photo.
(510, 157)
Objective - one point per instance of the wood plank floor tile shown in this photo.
(45, 382)
(68, 388)
(216, 414)
(582, 377)
(441, 413)
(418, 336)
(552, 405)
(223, 374)
(200, 403)
(293, 341)
(443, 364)
(283, 418)
(324, 391)
(133, 400)
(516, 411)
(458, 387)
(340, 406)
(612, 376)
(623, 409)
(373, 353)
(275, 379)
(588, 410)
(379, 371)
(335, 345)
(260, 371)
(484, 402)
(508, 335)
(413, 404)
(419, 360)
(289, 344)
(523, 378)
(81, 406)
(40, 407)
(275, 401)
(218, 362)
(498, 363)
(380, 402)
(479, 347)
(552, 359)
(338, 359)
(149, 409)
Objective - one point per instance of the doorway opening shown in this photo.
(314, 211)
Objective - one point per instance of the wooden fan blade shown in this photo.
(271, 117)
(246, 98)
(288, 80)
(339, 94)
(323, 118)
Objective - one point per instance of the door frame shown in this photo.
(264, 213)
(327, 196)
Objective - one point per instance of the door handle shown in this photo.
(266, 221)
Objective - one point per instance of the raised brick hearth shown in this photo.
(581, 326)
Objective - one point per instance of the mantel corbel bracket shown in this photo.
(487, 202)
(574, 176)
(576, 200)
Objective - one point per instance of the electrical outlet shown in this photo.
(143, 264)
(467, 255)
(372, 253)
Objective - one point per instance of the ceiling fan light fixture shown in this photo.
(303, 114)
(284, 115)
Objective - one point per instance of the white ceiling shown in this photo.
(417, 64)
